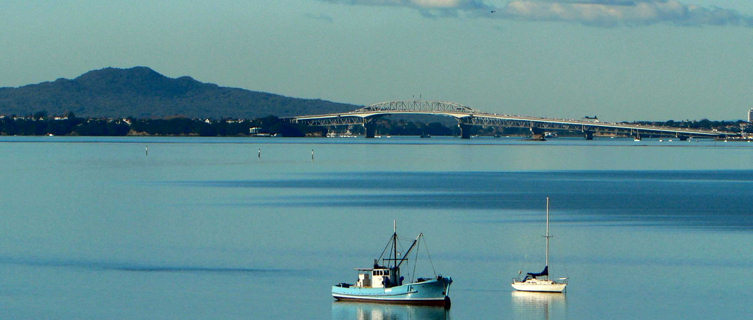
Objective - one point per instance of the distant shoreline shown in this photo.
(40, 124)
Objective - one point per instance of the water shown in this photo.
(203, 228)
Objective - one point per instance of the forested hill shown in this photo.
(140, 92)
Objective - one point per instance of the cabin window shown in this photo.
(387, 272)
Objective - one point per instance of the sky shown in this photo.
(622, 60)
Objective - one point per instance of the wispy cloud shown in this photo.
(608, 13)
(623, 12)
(420, 4)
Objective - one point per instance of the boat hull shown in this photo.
(534, 285)
(430, 292)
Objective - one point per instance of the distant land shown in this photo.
(141, 92)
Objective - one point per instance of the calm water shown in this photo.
(203, 228)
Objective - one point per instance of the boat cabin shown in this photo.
(378, 277)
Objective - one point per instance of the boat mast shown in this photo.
(547, 236)
(405, 255)
(394, 242)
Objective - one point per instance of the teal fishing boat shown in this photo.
(383, 283)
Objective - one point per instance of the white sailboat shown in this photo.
(540, 282)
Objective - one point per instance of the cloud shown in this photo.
(418, 4)
(621, 12)
(607, 13)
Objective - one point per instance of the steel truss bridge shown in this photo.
(468, 117)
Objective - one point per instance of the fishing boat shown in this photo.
(539, 281)
(383, 282)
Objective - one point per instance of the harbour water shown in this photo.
(260, 228)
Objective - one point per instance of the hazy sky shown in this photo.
(620, 59)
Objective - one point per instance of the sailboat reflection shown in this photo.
(376, 311)
(538, 305)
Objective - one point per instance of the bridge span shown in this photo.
(468, 117)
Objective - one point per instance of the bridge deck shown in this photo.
(468, 116)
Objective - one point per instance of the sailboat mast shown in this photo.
(547, 236)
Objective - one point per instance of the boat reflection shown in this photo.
(538, 305)
(376, 311)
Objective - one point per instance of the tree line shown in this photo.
(728, 126)
(40, 123)
(69, 125)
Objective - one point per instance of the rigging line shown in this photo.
(401, 248)
(415, 263)
(429, 255)
(385, 248)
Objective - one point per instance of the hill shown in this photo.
(141, 92)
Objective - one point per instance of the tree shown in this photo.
(39, 115)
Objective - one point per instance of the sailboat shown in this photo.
(383, 282)
(540, 282)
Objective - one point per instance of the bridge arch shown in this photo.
(421, 106)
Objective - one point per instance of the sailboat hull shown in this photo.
(430, 292)
(535, 285)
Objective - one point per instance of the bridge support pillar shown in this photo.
(370, 129)
(682, 138)
(537, 134)
(589, 135)
(465, 130)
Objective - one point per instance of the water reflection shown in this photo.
(703, 199)
(537, 305)
(374, 311)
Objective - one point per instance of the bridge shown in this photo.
(468, 117)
